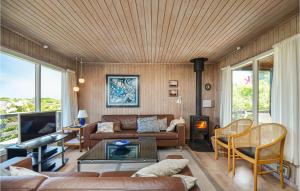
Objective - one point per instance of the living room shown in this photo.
(109, 94)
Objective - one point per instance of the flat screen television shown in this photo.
(34, 125)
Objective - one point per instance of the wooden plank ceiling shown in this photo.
(136, 31)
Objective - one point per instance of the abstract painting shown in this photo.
(122, 91)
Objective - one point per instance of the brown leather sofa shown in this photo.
(78, 181)
(129, 128)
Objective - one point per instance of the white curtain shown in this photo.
(225, 99)
(69, 101)
(286, 95)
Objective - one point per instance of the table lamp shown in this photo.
(82, 114)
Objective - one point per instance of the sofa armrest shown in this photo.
(24, 162)
(87, 131)
(180, 129)
(21, 183)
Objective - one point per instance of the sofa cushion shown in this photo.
(112, 183)
(117, 126)
(173, 124)
(105, 127)
(166, 167)
(116, 135)
(148, 124)
(127, 121)
(160, 135)
(169, 117)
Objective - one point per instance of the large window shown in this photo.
(25, 86)
(251, 89)
(17, 94)
(50, 89)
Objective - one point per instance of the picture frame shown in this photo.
(122, 90)
(173, 83)
(173, 93)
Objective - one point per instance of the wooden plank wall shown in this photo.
(154, 88)
(264, 42)
(18, 43)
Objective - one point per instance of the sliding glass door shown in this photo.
(251, 89)
(242, 92)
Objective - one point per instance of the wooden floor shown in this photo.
(242, 181)
(216, 170)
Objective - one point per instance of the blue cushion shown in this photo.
(148, 124)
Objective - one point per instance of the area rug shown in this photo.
(205, 182)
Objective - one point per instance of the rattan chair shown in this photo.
(223, 136)
(262, 144)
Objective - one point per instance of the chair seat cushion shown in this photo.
(249, 151)
(224, 140)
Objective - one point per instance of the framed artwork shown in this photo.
(173, 93)
(173, 83)
(122, 90)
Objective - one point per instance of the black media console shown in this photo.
(44, 156)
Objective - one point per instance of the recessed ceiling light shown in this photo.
(238, 48)
(45, 46)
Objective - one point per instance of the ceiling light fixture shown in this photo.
(81, 79)
(45, 46)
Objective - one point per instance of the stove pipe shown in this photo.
(198, 68)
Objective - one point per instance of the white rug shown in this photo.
(204, 181)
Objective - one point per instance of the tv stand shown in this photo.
(44, 157)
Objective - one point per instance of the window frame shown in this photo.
(255, 83)
(38, 64)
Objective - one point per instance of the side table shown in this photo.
(78, 140)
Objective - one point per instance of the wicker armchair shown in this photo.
(223, 136)
(262, 144)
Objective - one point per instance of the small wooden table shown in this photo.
(78, 140)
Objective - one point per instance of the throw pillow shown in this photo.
(189, 181)
(117, 126)
(173, 124)
(4, 172)
(163, 124)
(105, 127)
(143, 119)
(20, 171)
(167, 167)
(149, 127)
(147, 124)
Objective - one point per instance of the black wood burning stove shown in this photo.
(199, 124)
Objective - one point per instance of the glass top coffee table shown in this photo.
(141, 150)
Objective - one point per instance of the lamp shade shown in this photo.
(179, 100)
(82, 114)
